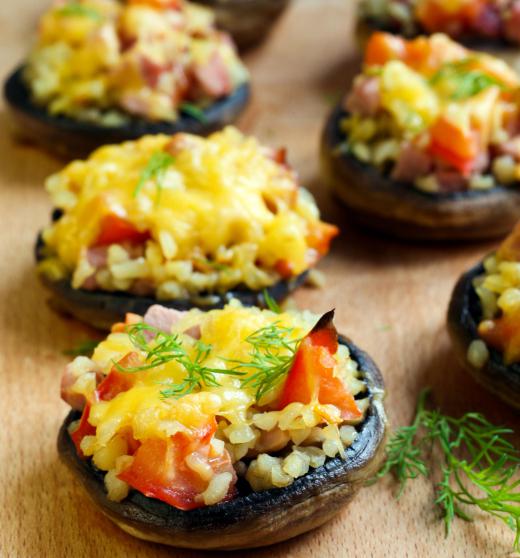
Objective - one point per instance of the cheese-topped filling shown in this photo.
(106, 60)
(434, 114)
(499, 293)
(180, 216)
(177, 404)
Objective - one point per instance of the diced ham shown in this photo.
(365, 98)
(488, 21)
(72, 372)
(97, 256)
(451, 181)
(512, 23)
(162, 318)
(90, 283)
(151, 71)
(412, 163)
(510, 147)
(213, 77)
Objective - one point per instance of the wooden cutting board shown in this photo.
(390, 297)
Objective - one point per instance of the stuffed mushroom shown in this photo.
(228, 429)
(248, 21)
(182, 219)
(481, 23)
(484, 320)
(426, 144)
(105, 71)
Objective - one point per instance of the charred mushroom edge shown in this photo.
(398, 208)
(74, 138)
(253, 518)
(464, 315)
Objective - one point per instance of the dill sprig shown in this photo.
(465, 81)
(78, 9)
(272, 355)
(160, 348)
(84, 348)
(194, 111)
(155, 170)
(479, 466)
(271, 303)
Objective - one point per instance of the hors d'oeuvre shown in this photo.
(484, 320)
(475, 22)
(182, 219)
(248, 21)
(228, 429)
(427, 142)
(105, 71)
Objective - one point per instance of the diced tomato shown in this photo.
(503, 334)
(159, 469)
(83, 429)
(284, 268)
(383, 47)
(439, 16)
(159, 4)
(510, 248)
(311, 377)
(130, 319)
(117, 381)
(115, 229)
(453, 145)
(320, 236)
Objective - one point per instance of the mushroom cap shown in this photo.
(398, 208)
(251, 519)
(464, 315)
(248, 21)
(72, 138)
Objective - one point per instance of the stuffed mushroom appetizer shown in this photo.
(186, 220)
(105, 71)
(233, 428)
(485, 23)
(248, 21)
(427, 142)
(484, 320)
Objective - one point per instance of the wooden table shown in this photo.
(390, 298)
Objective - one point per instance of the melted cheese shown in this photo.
(223, 199)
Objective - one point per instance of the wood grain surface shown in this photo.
(390, 297)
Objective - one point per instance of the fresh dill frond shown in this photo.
(194, 111)
(84, 348)
(272, 356)
(160, 348)
(271, 303)
(479, 467)
(463, 81)
(155, 170)
(78, 9)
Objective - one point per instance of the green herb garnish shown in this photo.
(478, 465)
(161, 348)
(85, 348)
(272, 356)
(77, 9)
(194, 111)
(271, 302)
(155, 169)
(462, 80)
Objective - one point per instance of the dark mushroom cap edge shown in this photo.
(464, 315)
(251, 519)
(75, 138)
(398, 208)
(102, 309)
